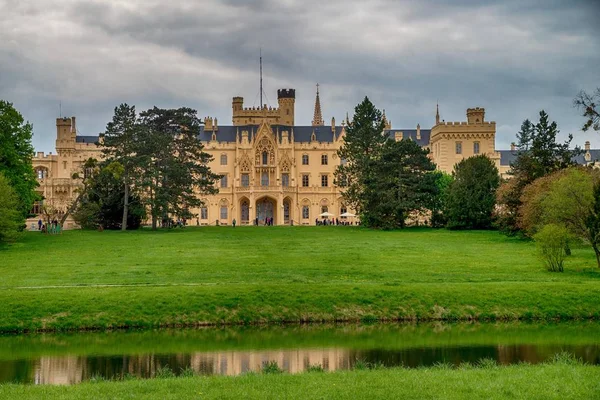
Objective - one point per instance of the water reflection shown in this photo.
(56, 359)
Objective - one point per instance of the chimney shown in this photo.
(587, 145)
(418, 132)
(513, 146)
(73, 127)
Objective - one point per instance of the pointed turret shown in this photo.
(318, 117)
(437, 114)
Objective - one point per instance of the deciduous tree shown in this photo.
(589, 105)
(10, 215)
(16, 154)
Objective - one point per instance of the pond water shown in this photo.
(72, 358)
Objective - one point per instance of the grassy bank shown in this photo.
(563, 379)
(256, 274)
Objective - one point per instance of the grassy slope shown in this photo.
(547, 381)
(216, 275)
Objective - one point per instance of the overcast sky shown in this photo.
(513, 57)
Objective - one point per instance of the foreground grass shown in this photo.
(563, 379)
(282, 274)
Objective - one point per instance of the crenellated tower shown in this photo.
(286, 98)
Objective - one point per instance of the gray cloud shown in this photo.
(513, 57)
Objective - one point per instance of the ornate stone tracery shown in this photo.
(265, 145)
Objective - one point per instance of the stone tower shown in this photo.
(286, 99)
(475, 115)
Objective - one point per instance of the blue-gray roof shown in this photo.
(412, 134)
(301, 133)
(509, 156)
(86, 139)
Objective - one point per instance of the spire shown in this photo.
(437, 113)
(317, 118)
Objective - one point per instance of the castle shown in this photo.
(271, 167)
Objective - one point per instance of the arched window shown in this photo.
(305, 212)
(265, 158)
(245, 211)
(324, 209)
(223, 159)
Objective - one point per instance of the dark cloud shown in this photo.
(513, 57)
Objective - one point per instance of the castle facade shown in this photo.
(271, 167)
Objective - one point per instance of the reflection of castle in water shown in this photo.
(74, 369)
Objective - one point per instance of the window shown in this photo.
(223, 159)
(304, 180)
(324, 180)
(41, 173)
(476, 148)
(264, 179)
(224, 181)
(285, 180)
(286, 212)
(245, 211)
(305, 212)
(265, 158)
(458, 147)
(343, 181)
(204, 213)
(304, 159)
(245, 180)
(324, 209)
(343, 210)
(223, 212)
(324, 159)
(64, 165)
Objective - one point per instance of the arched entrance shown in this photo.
(266, 209)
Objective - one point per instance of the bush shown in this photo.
(551, 242)
(271, 367)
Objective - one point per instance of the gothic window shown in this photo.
(476, 148)
(224, 181)
(458, 147)
(286, 212)
(223, 159)
(285, 180)
(324, 209)
(324, 180)
(87, 172)
(304, 159)
(305, 180)
(245, 211)
(324, 159)
(265, 158)
(204, 213)
(264, 179)
(245, 180)
(305, 212)
(343, 209)
(223, 212)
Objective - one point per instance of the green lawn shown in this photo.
(260, 274)
(560, 380)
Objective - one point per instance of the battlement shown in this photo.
(40, 155)
(286, 93)
(465, 123)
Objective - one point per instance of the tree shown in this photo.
(440, 200)
(551, 242)
(120, 145)
(102, 205)
(10, 216)
(362, 144)
(472, 194)
(16, 154)
(573, 201)
(401, 183)
(588, 105)
(173, 167)
(538, 154)
(89, 167)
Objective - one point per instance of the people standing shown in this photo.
(40, 223)
(234, 221)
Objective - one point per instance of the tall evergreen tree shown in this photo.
(120, 145)
(16, 153)
(362, 144)
(173, 166)
(472, 194)
(402, 183)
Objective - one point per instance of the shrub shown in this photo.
(551, 242)
(271, 367)
(315, 368)
(164, 372)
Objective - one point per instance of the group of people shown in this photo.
(169, 223)
(268, 221)
(53, 227)
(333, 221)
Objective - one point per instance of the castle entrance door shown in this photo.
(265, 208)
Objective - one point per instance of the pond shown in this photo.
(72, 358)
